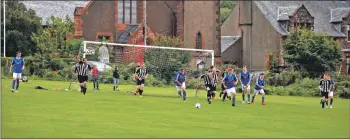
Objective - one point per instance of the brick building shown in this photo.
(121, 21)
(256, 29)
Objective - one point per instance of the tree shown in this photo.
(21, 23)
(52, 38)
(164, 63)
(226, 8)
(315, 54)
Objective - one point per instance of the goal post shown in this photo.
(85, 48)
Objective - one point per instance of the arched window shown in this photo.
(199, 41)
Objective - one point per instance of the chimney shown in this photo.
(78, 22)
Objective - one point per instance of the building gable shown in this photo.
(302, 15)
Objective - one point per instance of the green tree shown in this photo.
(52, 38)
(225, 9)
(21, 23)
(315, 54)
(164, 63)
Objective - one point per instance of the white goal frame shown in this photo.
(149, 46)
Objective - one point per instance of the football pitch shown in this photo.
(161, 113)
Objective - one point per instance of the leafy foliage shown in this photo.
(225, 9)
(21, 23)
(52, 38)
(313, 53)
(164, 63)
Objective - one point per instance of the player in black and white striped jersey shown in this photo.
(141, 75)
(325, 86)
(207, 77)
(134, 76)
(215, 77)
(82, 69)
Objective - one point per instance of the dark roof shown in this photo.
(122, 37)
(227, 41)
(338, 14)
(320, 10)
(61, 9)
(285, 12)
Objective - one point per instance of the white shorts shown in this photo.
(182, 86)
(246, 88)
(261, 91)
(231, 91)
(330, 94)
(17, 75)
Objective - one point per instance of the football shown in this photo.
(197, 105)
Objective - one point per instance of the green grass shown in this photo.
(106, 114)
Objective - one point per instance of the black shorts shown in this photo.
(222, 87)
(139, 82)
(211, 87)
(324, 94)
(82, 79)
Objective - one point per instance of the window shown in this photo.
(134, 12)
(127, 11)
(348, 65)
(120, 12)
(199, 41)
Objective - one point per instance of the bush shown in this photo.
(284, 78)
(152, 81)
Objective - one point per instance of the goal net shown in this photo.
(162, 62)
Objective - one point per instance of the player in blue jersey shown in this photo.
(18, 67)
(330, 94)
(259, 88)
(180, 79)
(245, 82)
(230, 81)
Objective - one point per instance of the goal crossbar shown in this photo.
(148, 46)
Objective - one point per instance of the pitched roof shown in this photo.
(338, 14)
(122, 37)
(227, 41)
(285, 12)
(61, 9)
(320, 10)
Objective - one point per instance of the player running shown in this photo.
(137, 68)
(215, 77)
(180, 79)
(230, 81)
(82, 70)
(325, 88)
(245, 82)
(141, 75)
(223, 90)
(208, 83)
(259, 88)
(18, 67)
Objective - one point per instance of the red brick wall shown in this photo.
(139, 11)
(180, 19)
(130, 53)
